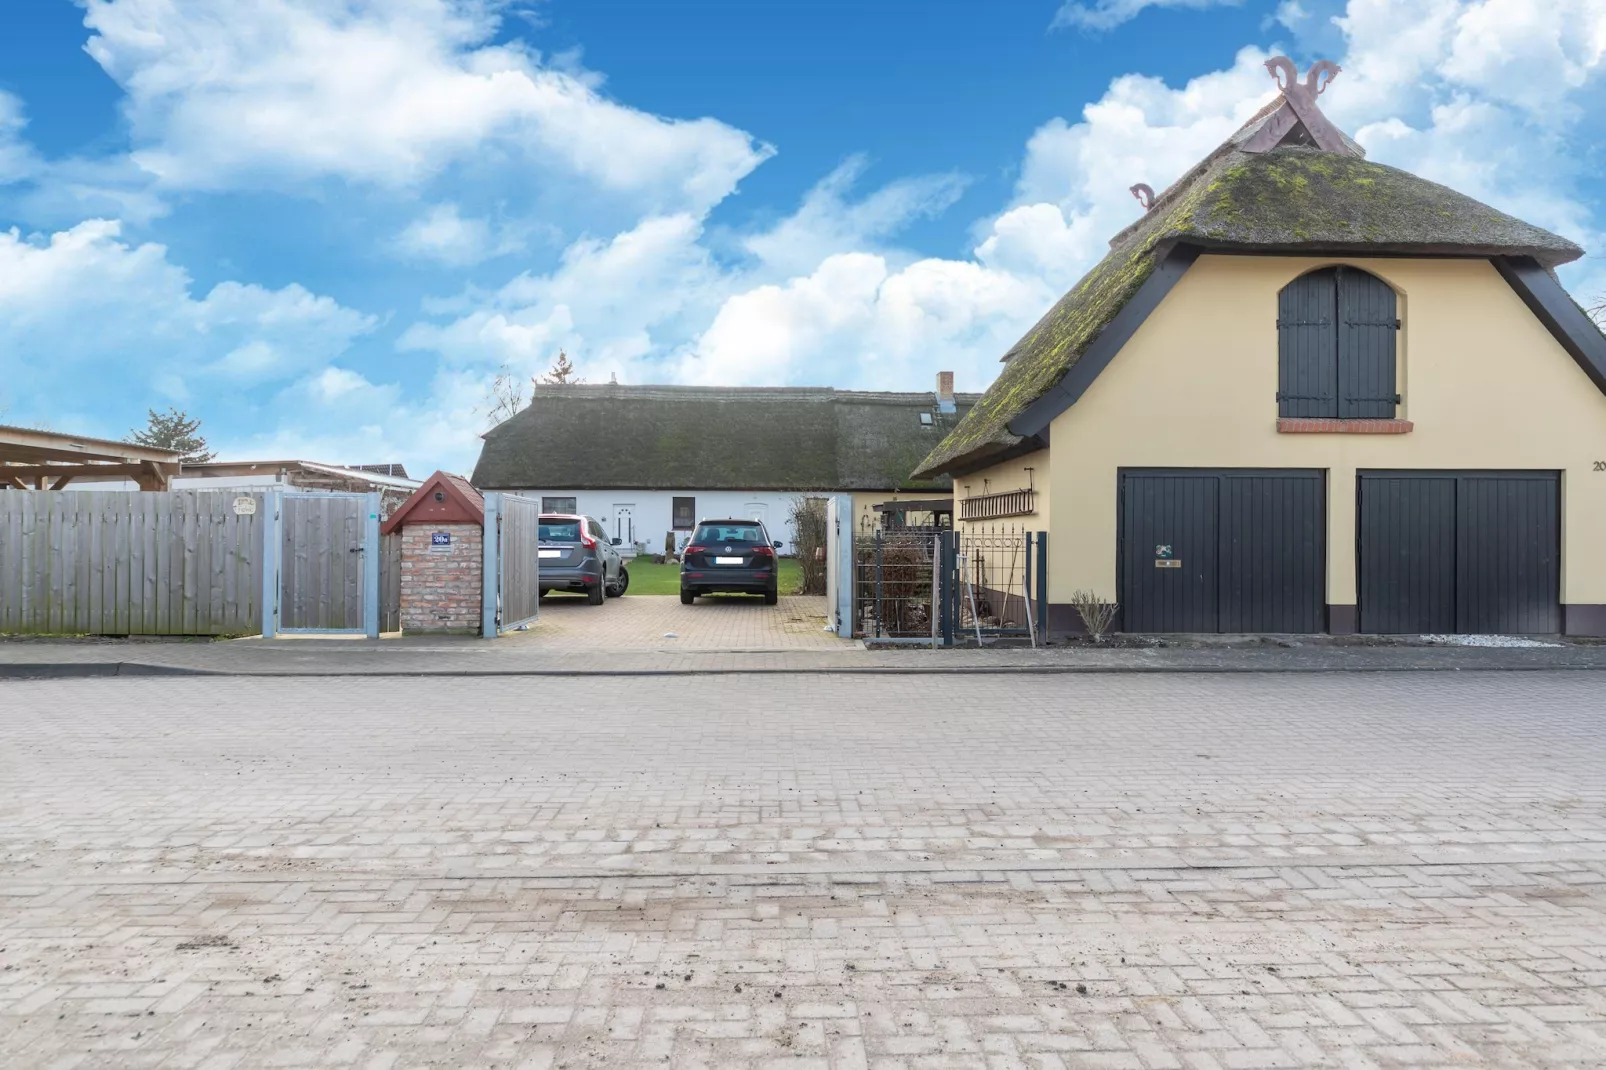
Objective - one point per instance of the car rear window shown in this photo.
(729, 533)
(557, 529)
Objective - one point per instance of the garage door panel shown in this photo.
(1175, 511)
(1407, 539)
(1273, 554)
(1247, 550)
(1509, 570)
(1469, 552)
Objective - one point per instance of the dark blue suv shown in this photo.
(729, 555)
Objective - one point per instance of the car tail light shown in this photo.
(763, 551)
(695, 550)
(587, 540)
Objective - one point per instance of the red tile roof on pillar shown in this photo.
(457, 503)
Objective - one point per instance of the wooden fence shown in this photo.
(390, 582)
(126, 563)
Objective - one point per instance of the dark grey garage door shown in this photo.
(1222, 550)
(1470, 552)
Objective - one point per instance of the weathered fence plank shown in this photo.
(390, 582)
(129, 563)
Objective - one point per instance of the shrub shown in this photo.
(809, 522)
(1097, 615)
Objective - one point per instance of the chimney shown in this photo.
(945, 391)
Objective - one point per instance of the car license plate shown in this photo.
(727, 560)
(551, 553)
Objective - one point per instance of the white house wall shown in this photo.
(652, 511)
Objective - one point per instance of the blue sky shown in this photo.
(324, 226)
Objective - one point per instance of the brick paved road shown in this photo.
(721, 622)
(990, 870)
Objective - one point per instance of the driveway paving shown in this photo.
(1119, 870)
(657, 623)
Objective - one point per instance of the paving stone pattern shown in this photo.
(660, 623)
(1114, 871)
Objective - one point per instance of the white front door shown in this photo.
(624, 524)
(757, 511)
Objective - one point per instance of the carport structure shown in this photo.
(47, 460)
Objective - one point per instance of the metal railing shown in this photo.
(894, 592)
(996, 583)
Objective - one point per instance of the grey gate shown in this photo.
(512, 563)
(329, 564)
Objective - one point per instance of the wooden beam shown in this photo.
(79, 447)
(154, 476)
(56, 471)
(62, 482)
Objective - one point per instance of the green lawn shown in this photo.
(648, 578)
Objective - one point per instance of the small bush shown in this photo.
(1097, 615)
(809, 521)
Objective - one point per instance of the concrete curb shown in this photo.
(78, 670)
(97, 669)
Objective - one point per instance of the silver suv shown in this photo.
(577, 555)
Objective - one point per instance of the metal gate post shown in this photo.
(491, 578)
(370, 565)
(847, 577)
(950, 586)
(1042, 583)
(272, 541)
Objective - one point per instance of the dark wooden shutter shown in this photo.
(1307, 346)
(1367, 334)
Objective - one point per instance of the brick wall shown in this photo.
(440, 589)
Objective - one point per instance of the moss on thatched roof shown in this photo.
(1292, 200)
(715, 438)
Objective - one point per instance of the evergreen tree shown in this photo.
(562, 371)
(174, 430)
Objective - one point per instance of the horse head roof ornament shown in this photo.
(1296, 119)
(1144, 193)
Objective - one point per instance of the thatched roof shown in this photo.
(715, 438)
(1295, 199)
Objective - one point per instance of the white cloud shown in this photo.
(610, 304)
(442, 235)
(855, 321)
(17, 157)
(1108, 14)
(238, 92)
(829, 222)
(85, 310)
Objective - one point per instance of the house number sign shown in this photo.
(440, 542)
(1163, 558)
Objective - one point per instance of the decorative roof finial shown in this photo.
(1313, 77)
(1144, 193)
(1297, 120)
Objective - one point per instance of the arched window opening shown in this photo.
(1337, 332)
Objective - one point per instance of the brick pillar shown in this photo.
(441, 584)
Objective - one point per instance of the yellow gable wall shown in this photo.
(1010, 475)
(1486, 385)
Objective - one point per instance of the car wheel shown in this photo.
(624, 582)
(771, 597)
(686, 597)
(594, 595)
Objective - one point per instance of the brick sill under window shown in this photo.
(1302, 425)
